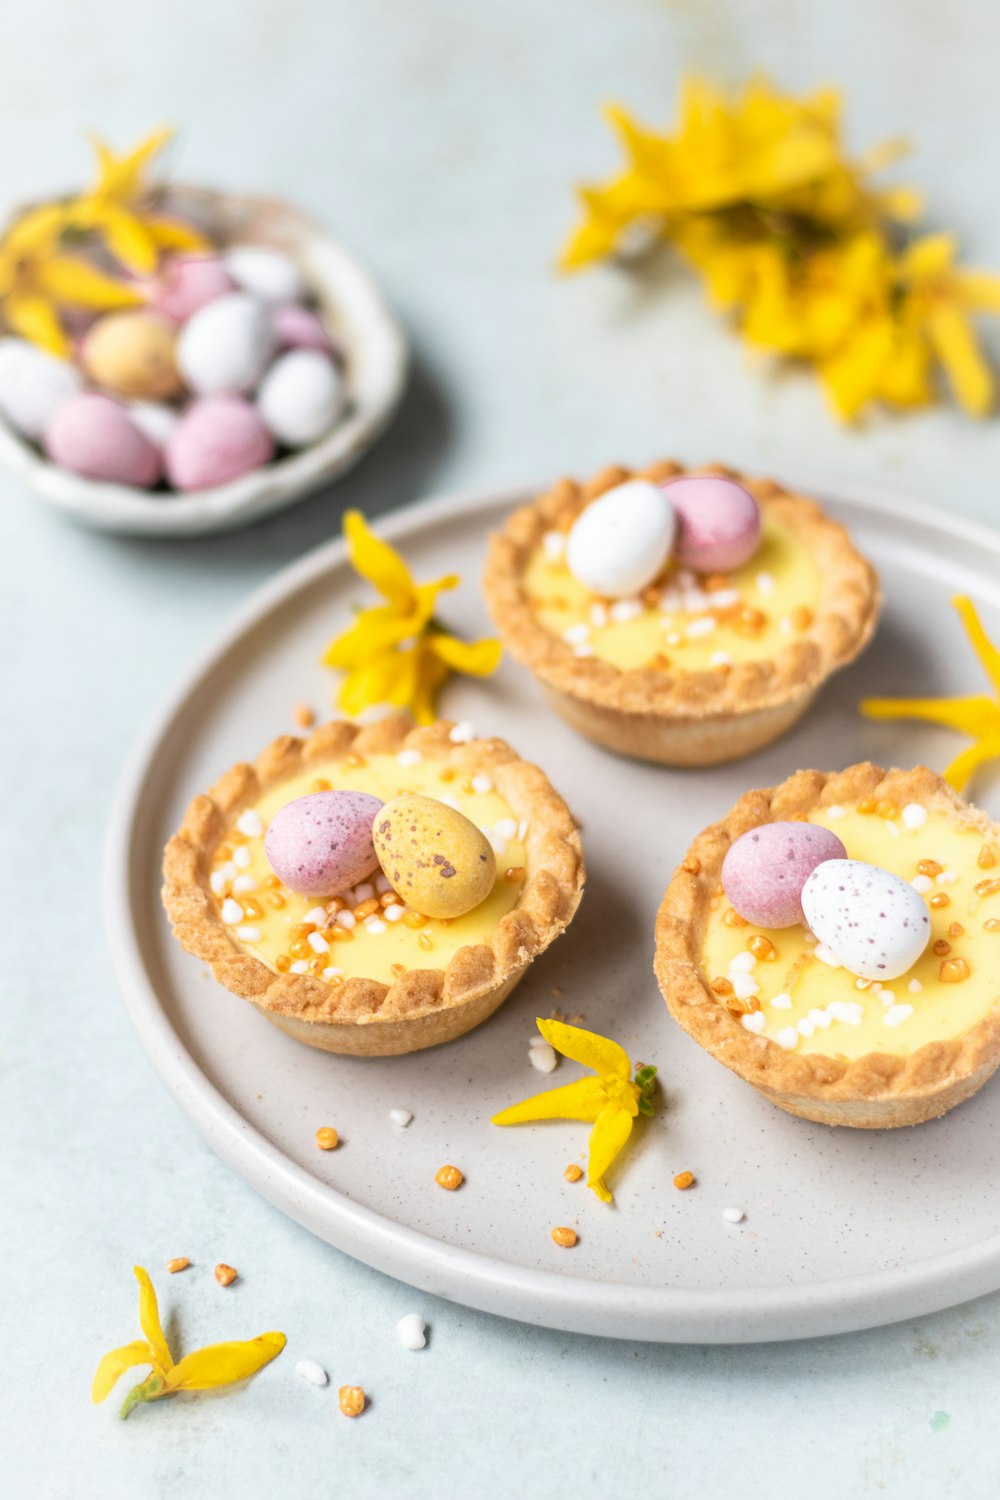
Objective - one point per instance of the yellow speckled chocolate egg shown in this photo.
(436, 860)
(132, 354)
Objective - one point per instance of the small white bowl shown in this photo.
(375, 362)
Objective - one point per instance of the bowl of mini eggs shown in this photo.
(244, 376)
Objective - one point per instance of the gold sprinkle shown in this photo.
(684, 1180)
(564, 1236)
(327, 1138)
(352, 1400)
(887, 810)
(867, 806)
(318, 963)
(225, 1275)
(573, 1173)
(929, 867)
(179, 1263)
(987, 857)
(751, 621)
(282, 963)
(802, 617)
(366, 908)
(252, 908)
(762, 947)
(398, 969)
(304, 716)
(321, 785)
(992, 925)
(721, 986)
(447, 774)
(953, 970)
(956, 930)
(732, 918)
(449, 1178)
(987, 887)
(939, 899)
(355, 761)
(862, 984)
(271, 882)
(275, 899)
(424, 941)
(942, 948)
(514, 874)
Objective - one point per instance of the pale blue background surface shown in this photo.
(440, 139)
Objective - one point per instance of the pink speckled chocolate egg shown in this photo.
(321, 845)
(187, 284)
(873, 922)
(719, 522)
(94, 436)
(765, 869)
(217, 439)
(299, 327)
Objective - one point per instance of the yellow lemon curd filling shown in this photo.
(684, 622)
(367, 932)
(798, 997)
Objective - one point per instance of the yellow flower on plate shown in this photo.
(37, 279)
(976, 715)
(397, 653)
(204, 1369)
(119, 207)
(610, 1098)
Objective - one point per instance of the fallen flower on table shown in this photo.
(202, 1370)
(976, 715)
(398, 653)
(610, 1098)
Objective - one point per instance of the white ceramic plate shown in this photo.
(843, 1229)
(375, 371)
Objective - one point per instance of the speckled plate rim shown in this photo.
(733, 1314)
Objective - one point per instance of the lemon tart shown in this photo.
(692, 669)
(776, 1007)
(364, 972)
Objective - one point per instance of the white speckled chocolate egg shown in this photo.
(301, 397)
(873, 922)
(226, 346)
(321, 844)
(623, 540)
(434, 857)
(32, 385)
(269, 274)
(765, 869)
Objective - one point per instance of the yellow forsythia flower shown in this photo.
(119, 208)
(204, 1369)
(610, 1098)
(397, 653)
(977, 715)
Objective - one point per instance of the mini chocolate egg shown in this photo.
(32, 385)
(623, 540)
(271, 275)
(93, 435)
(718, 522)
(321, 845)
(155, 420)
(765, 869)
(301, 397)
(298, 327)
(217, 439)
(225, 348)
(188, 283)
(435, 858)
(133, 353)
(873, 922)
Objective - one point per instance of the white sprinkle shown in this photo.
(754, 1022)
(785, 625)
(311, 1371)
(401, 1117)
(363, 892)
(914, 987)
(300, 966)
(462, 733)
(412, 1331)
(250, 823)
(782, 1002)
(241, 857)
(674, 638)
(318, 942)
(394, 912)
(892, 828)
(382, 883)
(922, 883)
(820, 1018)
(506, 828)
(409, 757)
(720, 659)
(742, 963)
(542, 1057)
(848, 1011)
(826, 956)
(805, 1027)
(374, 926)
(836, 812)
(331, 973)
(787, 1037)
(887, 997)
(248, 934)
(522, 830)
(482, 783)
(243, 884)
(948, 877)
(701, 627)
(694, 600)
(317, 915)
(765, 583)
(217, 881)
(583, 651)
(498, 845)
(914, 816)
(346, 919)
(897, 1014)
(553, 545)
(598, 615)
(744, 985)
(576, 635)
(625, 609)
(232, 912)
(725, 598)
(733, 1215)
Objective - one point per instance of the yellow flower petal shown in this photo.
(981, 644)
(373, 631)
(32, 317)
(430, 673)
(224, 1364)
(474, 658)
(972, 715)
(127, 237)
(955, 345)
(74, 283)
(587, 1047)
(149, 1321)
(980, 290)
(115, 1363)
(386, 678)
(121, 177)
(612, 1129)
(961, 768)
(376, 561)
(582, 1100)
